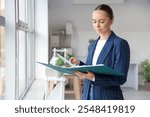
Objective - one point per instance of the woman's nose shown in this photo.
(97, 25)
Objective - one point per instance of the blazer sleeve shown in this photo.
(122, 62)
(81, 63)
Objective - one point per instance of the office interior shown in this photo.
(31, 29)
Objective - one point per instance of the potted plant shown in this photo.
(55, 61)
(146, 74)
(69, 56)
(59, 62)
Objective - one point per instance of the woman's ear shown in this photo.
(112, 21)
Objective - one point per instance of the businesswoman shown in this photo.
(107, 49)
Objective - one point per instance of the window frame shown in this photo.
(13, 25)
(25, 26)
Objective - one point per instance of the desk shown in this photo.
(53, 78)
(57, 92)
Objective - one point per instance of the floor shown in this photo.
(36, 92)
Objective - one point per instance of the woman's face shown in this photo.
(101, 21)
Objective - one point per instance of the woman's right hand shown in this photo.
(74, 61)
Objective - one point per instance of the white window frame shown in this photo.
(22, 25)
(12, 25)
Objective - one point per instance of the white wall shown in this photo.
(41, 37)
(132, 22)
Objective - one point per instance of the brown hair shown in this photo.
(106, 8)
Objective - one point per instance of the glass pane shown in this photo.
(2, 7)
(22, 62)
(30, 14)
(22, 10)
(2, 61)
(25, 48)
(30, 57)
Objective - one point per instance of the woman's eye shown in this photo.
(102, 22)
(94, 21)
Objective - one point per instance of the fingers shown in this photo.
(71, 59)
(88, 75)
(91, 74)
(68, 76)
(80, 74)
(74, 60)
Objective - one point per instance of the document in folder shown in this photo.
(99, 69)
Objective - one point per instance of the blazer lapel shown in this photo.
(106, 49)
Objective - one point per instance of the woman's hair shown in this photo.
(105, 8)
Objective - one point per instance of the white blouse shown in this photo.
(98, 49)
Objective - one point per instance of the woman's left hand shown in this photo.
(88, 75)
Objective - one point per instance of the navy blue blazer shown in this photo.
(115, 54)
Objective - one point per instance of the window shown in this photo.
(25, 45)
(22, 61)
(19, 27)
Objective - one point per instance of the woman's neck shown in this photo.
(105, 36)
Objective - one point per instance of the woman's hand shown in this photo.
(69, 76)
(74, 61)
(88, 75)
(81, 75)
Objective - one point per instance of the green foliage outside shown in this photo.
(91, 40)
(146, 70)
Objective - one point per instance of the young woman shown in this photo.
(107, 49)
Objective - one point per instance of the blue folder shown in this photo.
(99, 69)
